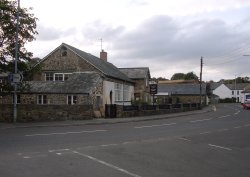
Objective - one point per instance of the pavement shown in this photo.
(99, 121)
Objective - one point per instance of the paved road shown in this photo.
(213, 144)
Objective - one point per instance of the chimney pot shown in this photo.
(104, 55)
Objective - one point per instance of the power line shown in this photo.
(232, 55)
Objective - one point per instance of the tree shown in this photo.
(182, 76)
(190, 76)
(27, 32)
(178, 76)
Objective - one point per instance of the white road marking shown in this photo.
(65, 133)
(107, 145)
(200, 120)
(159, 125)
(238, 127)
(58, 150)
(237, 113)
(247, 125)
(185, 139)
(202, 133)
(222, 130)
(26, 157)
(106, 164)
(223, 116)
(221, 147)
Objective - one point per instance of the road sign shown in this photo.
(15, 77)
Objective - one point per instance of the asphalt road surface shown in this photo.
(213, 144)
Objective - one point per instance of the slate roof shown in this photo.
(215, 85)
(247, 89)
(237, 86)
(181, 89)
(78, 83)
(136, 73)
(106, 68)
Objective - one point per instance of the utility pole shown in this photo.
(16, 59)
(201, 82)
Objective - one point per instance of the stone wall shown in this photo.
(32, 112)
(156, 110)
(52, 99)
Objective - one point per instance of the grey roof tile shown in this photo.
(78, 83)
(105, 67)
(136, 73)
(181, 89)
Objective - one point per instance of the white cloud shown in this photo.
(168, 36)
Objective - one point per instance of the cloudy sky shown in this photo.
(165, 35)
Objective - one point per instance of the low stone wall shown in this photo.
(28, 112)
(155, 110)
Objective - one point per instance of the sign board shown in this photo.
(15, 77)
(153, 89)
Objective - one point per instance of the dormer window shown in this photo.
(57, 76)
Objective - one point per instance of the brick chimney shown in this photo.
(104, 55)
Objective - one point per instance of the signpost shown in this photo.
(153, 89)
(15, 78)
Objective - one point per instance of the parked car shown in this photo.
(246, 105)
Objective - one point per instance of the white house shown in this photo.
(230, 90)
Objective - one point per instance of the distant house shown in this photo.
(229, 91)
(71, 77)
(141, 77)
(236, 90)
(221, 90)
(245, 94)
(181, 93)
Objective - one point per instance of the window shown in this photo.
(42, 99)
(58, 77)
(232, 92)
(72, 99)
(61, 76)
(238, 92)
(126, 92)
(49, 76)
(118, 92)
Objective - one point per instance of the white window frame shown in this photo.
(71, 99)
(118, 92)
(60, 75)
(63, 75)
(50, 76)
(42, 99)
(126, 92)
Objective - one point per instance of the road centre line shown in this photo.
(65, 133)
(221, 147)
(223, 116)
(202, 133)
(185, 139)
(200, 120)
(159, 125)
(238, 127)
(107, 164)
(58, 150)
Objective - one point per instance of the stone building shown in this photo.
(169, 93)
(71, 79)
